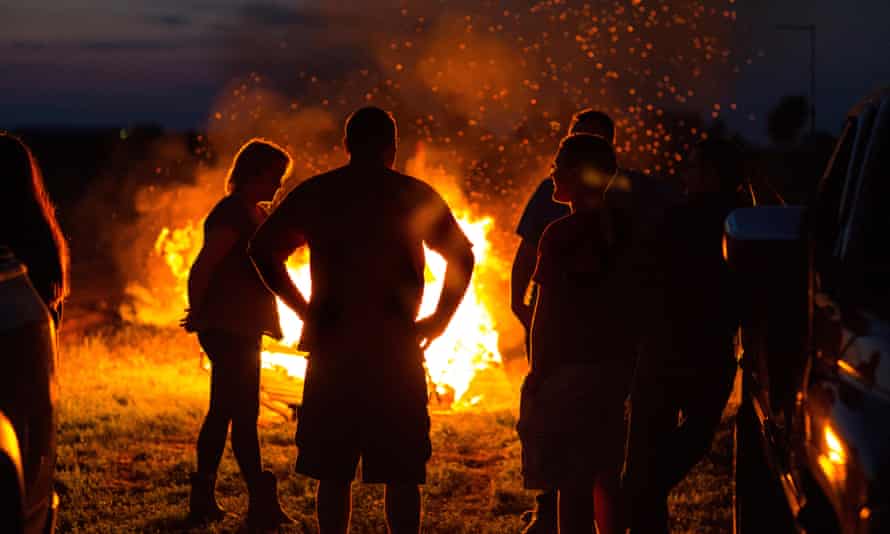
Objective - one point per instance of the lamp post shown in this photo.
(811, 29)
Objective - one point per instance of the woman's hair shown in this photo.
(255, 158)
(28, 223)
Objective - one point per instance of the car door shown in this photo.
(840, 281)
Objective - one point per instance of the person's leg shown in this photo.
(576, 510)
(215, 428)
(403, 508)
(652, 419)
(607, 504)
(245, 393)
(703, 409)
(212, 437)
(333, 505)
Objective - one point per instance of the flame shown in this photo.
(468, 345)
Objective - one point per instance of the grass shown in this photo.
(130, 404)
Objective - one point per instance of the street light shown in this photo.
(811, 29)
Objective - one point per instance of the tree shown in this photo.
(787, 119)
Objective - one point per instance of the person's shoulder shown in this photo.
(316, 184)
(410, 181)
(650, 184)
(413, 185)
(226, 212)
(324, 179)
(560, 227)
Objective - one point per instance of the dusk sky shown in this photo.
(111, 62)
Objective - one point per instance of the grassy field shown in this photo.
(131, 401)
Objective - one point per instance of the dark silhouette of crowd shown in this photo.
(618, 281)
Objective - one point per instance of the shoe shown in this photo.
(203, 507)
(264, 510)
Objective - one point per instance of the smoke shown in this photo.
(486, 87)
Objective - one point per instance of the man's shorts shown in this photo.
(374, 413)
(571, 425)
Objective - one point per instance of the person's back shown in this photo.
(699, 284)
(236, 300)
(688, 364)
(365, 227)
(365, 392)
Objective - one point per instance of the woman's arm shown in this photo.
(217, 243)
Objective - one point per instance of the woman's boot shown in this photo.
(202, 499)
(264, 510)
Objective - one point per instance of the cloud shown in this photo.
(30, 46)
(267, 14)
(170, 20)
(126, 45)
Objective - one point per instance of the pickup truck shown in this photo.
(812, 435)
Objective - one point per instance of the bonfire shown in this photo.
(468, 346)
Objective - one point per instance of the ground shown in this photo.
(131, 401)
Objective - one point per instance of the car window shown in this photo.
(866, 253)
(831, 185)
(824, 212)
(852, 183)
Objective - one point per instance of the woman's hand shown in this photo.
(188, 322)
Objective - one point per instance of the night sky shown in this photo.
(113, 63)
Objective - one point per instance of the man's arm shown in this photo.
(458, 272)
(269, 249)
(520, 278)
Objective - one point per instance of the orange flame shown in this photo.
(469, 344)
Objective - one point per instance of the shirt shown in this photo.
(580, 271)
(540, 211)
(365, 228)
(237, 301)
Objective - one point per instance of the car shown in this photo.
(27, 404)
(812, 434)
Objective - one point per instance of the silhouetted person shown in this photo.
(540, 211)
(689, 365)
(231, 309)
(365, 394)
(28, 224)
(642, 198)
(571, 416)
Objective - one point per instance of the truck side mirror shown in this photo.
(765, 239)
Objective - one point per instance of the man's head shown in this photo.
(583, 169)
(590, 121)
(716, 166)
(371, 136)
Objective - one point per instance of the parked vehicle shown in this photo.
(27, 398)
(812, 450)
